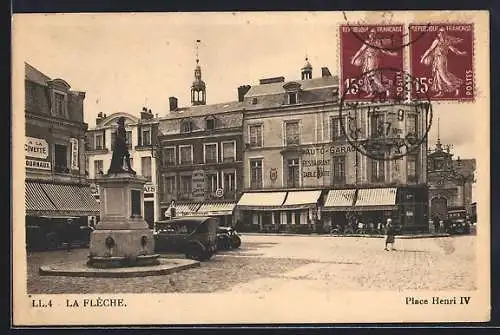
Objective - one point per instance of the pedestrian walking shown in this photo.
(441, 226)
(389, 231)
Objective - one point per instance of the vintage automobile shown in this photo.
(227, 238)
(458, 221)
(196, 237)
(51, 233)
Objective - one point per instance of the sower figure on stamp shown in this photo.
(389, 231)
(120, 150)
(368, 57)
(437, 57)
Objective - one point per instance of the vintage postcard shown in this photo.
(240, 168)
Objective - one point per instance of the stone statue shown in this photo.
(120, 150)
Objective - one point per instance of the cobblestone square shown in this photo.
(273, 263)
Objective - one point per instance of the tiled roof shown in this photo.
(277, 88)
(203, 110)
(34, 75)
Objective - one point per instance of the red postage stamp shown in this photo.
(371, 61)
(441, 61)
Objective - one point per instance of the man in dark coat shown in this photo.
(389, 235)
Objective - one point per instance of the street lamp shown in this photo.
(156, 154)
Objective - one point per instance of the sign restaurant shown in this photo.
(74, 153)
(36, 147)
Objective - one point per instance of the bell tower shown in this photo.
(306, 71)
(198, 88)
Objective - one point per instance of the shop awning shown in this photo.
(301, 199)
(261, 200)
(339, 200)
(376, 199)
(71, 199)
(187, 208)
(36, 201)
(216, 208)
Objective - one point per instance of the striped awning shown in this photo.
(186, 208)
(340, 200)
(36, 201)
(216, 208)
(55, 200)
(261, 200)
(376, 199)
(301, 199)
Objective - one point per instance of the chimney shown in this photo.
(99, 119)
(146, 114)
(173, 103)
(272, 80)
(242, 90)
(325, 72)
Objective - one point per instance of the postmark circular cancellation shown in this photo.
(389, 125)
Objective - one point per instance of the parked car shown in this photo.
(51, 234)
(458, 221)
(196, 237)
(227, 238)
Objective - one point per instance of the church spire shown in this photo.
(439, 146)
(198, 89)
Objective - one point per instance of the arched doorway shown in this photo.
(439, 208)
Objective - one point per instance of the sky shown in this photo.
(125, 62)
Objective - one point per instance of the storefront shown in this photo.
(295, 211)
(376, 205)
(338, 207)
(222, 210)
(49, 208)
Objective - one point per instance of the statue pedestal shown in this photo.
(122, 237)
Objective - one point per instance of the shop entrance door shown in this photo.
(149, 213)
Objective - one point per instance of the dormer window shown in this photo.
(292, 98)
(210, 123)
(292, 90)
(186, 126)
(59, 106)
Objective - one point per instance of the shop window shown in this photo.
(146, 167)
(98, 167)
(289, 217)
(378, 171)
(292, 133)
(210, 152)
(61, 158)
(256, 173)
(293, 179)
(186, 154)
(169, 156)
(229, 151)
(186, 187)
(339, 175)
(255, 136)
(297, 217)
(277, 217)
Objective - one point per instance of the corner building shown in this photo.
(302, 175)
(56, 188)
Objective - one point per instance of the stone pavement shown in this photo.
(279, 264)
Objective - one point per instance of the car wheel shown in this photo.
(235, 242)
(196, 251)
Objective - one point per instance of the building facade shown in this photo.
(302, 174)
(450, 182)
(141, 139)
(56, 185)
